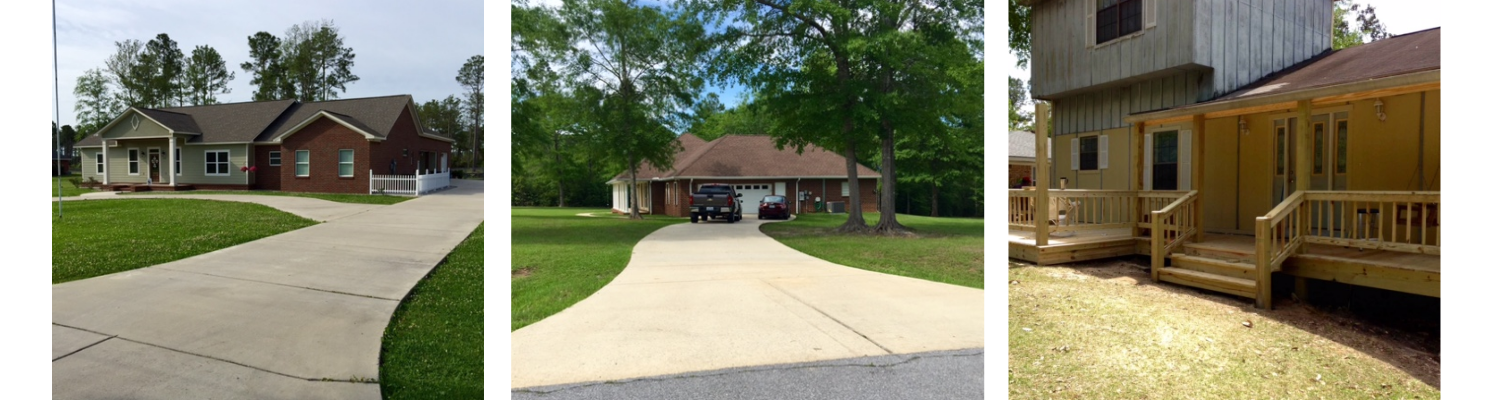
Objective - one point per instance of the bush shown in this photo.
(457, 174)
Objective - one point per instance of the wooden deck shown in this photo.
(1081, 246)
(1391, 270)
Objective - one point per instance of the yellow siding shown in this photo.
(1433, 145)
(1257, 169)
(1383, 154)
(1115, 176)
(1219, 174)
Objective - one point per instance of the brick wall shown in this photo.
(404, 137)
(268, 177)
(1016, 173)
(815, 186)
(323, 139)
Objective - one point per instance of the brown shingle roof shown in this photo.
(377, 113)
(232, 122)
(734, 156)
(264, 120)
(1397, 55)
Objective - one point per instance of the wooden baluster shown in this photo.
(1424, 224)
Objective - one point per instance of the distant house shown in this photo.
(756, 168)
(62, 163)
(326, 146)
(1023, 157)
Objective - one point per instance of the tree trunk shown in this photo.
(856, 221)
(556, 169)
(888, 224)
(934, 198)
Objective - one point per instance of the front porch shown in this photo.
(141, 187)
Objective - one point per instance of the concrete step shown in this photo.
(1204, 280)
(1214, 266)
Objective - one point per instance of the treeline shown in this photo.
(601, 86)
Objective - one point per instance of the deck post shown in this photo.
(1262, 263)
(1137, 180)
(1042, 179)
(1158, 260)
(1198, 166)
(1304, 159)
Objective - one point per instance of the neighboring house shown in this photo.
(325, 147)
(1023, 157)
(756, 168)
(62, 163)
(1233, 118)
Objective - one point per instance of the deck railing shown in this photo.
(1171, 226)
(1022, 211)
(410, 185)
(1278, 235)
(1092, 209)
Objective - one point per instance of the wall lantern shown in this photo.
(1244, 126)
(1379, 110)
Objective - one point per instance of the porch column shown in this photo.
(172, 161)
(105, 149)
(1137, 171)
(1198, 165)
(1304, 144)
(1042, 181)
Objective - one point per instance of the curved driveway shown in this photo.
(297, 315)
(708, 296)
(314, 209)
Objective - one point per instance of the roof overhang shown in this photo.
(1320, 96)
(325, 114)
(137, 111)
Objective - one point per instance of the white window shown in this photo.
(99, 163)
(346, 163)
(135, 161)
(846, 187)
(302, 163)
(216, 162)
(177, 161)
(275, 159)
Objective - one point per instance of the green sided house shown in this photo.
(337, 146)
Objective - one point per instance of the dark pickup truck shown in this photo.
(715, 200)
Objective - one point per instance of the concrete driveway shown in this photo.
(292, 316)
(699, 297)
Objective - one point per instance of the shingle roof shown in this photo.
(265, 120)
(749, 156)
(1397, 55)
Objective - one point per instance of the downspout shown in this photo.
(797, 194)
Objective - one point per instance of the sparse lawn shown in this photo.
(1103, 330)
(108, 236)
(434, 346)
(559, 258)
(949, 250)
(336, 197)
(68, 189)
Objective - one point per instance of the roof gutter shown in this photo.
(1416, 81)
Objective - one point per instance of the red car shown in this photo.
(774, 206)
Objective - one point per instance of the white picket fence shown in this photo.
(410, 185)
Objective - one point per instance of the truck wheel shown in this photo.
(695, 218)
(730, 217)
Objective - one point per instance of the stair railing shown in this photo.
(1276, 238)
(1171, 226)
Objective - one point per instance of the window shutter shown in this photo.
(1089, 34)
(1075, 154)
(1147, 160)
(1148, 13)
(1185, 161)
(1103, 151)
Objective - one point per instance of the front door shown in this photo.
(1330, 166)
(153, 166)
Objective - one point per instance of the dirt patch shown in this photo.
(521, 272)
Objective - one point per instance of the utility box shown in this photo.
(836, 207)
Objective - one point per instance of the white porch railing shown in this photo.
(410, 185)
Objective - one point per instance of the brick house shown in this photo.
(756, 168)
(321, 147)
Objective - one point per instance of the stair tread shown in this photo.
(1212, 260)
(1187, 273)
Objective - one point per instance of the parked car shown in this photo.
(774, 207)
(715, 200)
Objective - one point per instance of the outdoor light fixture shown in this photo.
(1244, 126)
(1379, 112)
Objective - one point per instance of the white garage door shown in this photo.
(753, 192)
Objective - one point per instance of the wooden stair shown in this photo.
(1208, 272)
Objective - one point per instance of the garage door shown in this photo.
(752, 195)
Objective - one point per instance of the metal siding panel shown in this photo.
(1218, 45)
(1243, 61)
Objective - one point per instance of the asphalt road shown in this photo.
(954, 374)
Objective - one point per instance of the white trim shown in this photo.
(227, 164)
(1077, 152)
(325, 114)
(159, 156)
(177, 161)
(1103, 151)
(351, 163)
(132, 163)
(1185, 159)
(1148, 160)
(295, 162)
(274, 158)
(99, 163)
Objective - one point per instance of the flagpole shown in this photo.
(56, 114)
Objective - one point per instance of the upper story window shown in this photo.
(1116, 18)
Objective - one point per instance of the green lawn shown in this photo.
(336, 197)
(1104, 330)
(949, 250)
(107, 236)
(68, 190)
(559, 258)
(434, 346)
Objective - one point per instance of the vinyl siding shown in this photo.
(193, 167)
(124, 130)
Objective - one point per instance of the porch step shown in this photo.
(1214, 266)
(1204, 280)
(1205, 250)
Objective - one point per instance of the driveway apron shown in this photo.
(291, 316)
(708, 296)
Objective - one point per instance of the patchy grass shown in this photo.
(335, 197)
(949, 250)
(559, 258)
(108, 236)
(68, 189)
(434, 346)
(1104, 330)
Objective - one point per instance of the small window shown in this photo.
(1088, 153)
(303, 165)
(216, 162)
(1116, 18)
(846, 188)
(346, 163)
(1342, 158)
(275, 159)
(135, 161)
(1280, 150)
(1318, 148)
(177, 161)
(99, 163)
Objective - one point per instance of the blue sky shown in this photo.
(401, 47)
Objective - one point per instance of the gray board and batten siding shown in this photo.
(1193, 51)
